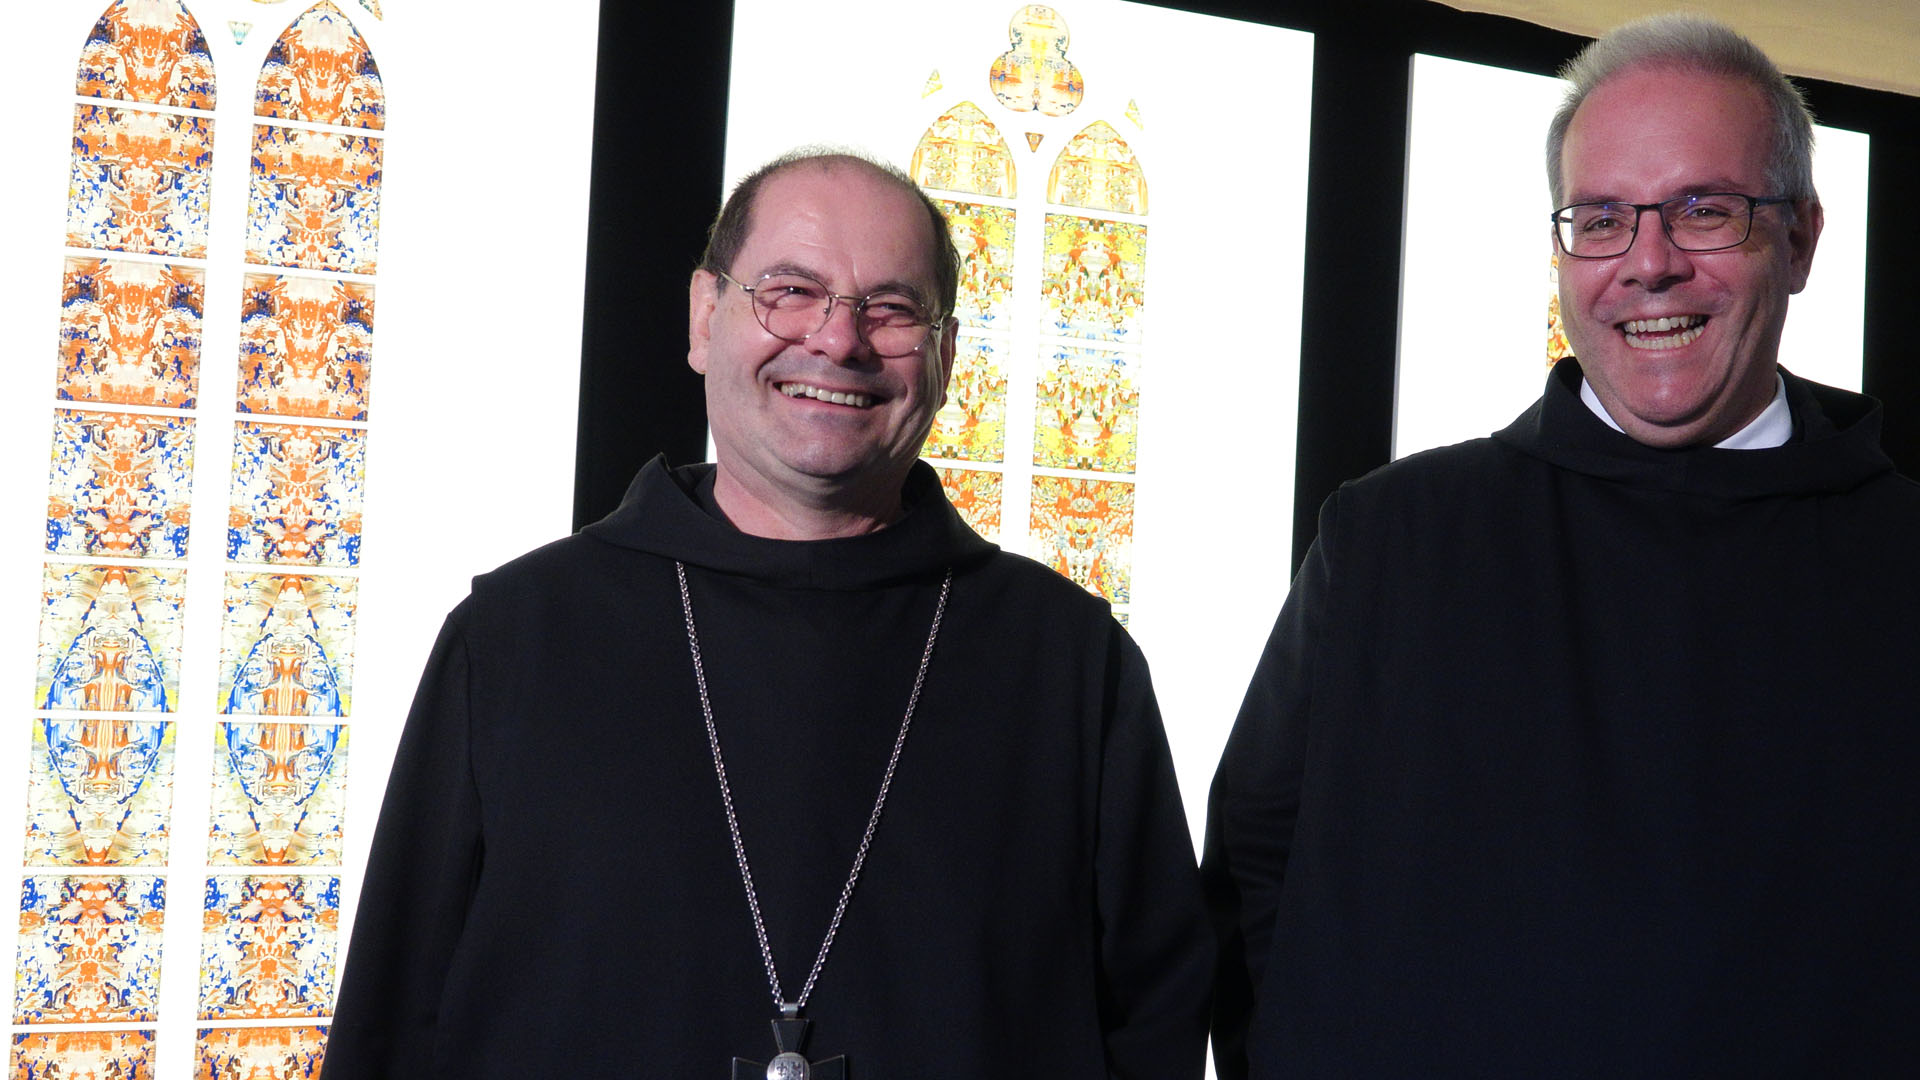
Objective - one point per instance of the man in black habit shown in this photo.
(780, 770)
(1590, 749)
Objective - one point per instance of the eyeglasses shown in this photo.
(1710, 222)
(794, 307)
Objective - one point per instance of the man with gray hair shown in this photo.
(1587, 749)
(635, 823)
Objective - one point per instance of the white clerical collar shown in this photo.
(1773, 427)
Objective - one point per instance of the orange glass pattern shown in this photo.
(963, 151)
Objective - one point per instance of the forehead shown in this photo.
(1652, 133)
(845, 223)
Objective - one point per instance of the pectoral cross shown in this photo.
(789, 1035)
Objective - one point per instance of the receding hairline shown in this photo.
(942, 258)
(1682, 42)
(828, 164)
(1660, 66)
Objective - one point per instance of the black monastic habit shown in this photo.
(552, 890)
(1572, 757)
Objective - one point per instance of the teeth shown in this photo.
(858, 401)
(1689, 328)
(1661, 326)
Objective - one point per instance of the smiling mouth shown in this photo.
(836, 397)
(1670, 332)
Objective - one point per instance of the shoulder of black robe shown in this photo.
(661, 514)
(1035, 808)
(1547, 723)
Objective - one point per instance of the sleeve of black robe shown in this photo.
(419, 882)
(1255, 800)
(1155, 953)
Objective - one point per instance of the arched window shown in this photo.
(314, 199)
(119, 497)
(1053, 316)
(148, 51)
(139, 181)
(298, 480)
(129, 381)
(1098, 170)
(306, 342)
(962, 151)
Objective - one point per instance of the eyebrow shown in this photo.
(911, 290)
(1704, 187)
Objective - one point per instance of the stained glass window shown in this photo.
(1042, 421)
(141, 229)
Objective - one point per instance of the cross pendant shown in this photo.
(789, 1035)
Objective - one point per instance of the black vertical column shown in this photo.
(1356, 186)
(659, 145)
(1892, 354)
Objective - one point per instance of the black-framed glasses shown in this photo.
(1713, 221)
(794, 307)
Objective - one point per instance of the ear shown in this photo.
(949, 334)
(1808, 219)
(702, 299)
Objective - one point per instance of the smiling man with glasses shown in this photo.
(1677, 330)
(780, 771)
(1588, 749)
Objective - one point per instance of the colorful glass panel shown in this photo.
(279, 794)
(1098, 170)
(306, 346)
(321, 71)
(971, 426)
(984, 236)
(975, 493)
(1086, 412)
(1093, 279)
(139, 181)
(1035, 75)
(121, 486)
(1084, 529)
(314, 201)
(130, 332)
(99, 792)
(297, 494)
(83, 1055)
(1558, 347)
(89, 949)
(269, 947)
(259, 1053)
(286, 647)
(962, 151)
(149, 51)
(110, 638)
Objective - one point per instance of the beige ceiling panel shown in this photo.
(1872, 43)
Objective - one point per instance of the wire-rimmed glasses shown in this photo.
(794, 307)
(1713, 221)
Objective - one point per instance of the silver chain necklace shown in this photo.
(789, 1031)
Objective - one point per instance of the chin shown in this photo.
(1667, 438)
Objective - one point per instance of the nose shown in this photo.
(839, 338)
(1654, 262)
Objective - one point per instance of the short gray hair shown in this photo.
(1691, 43)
